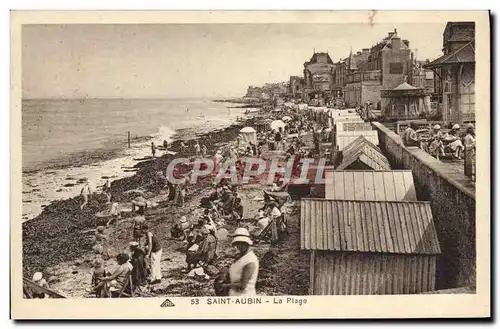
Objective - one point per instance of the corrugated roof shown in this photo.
(464, 54)
(368, 226)
(388, 185)
(344, 138)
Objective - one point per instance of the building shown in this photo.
(253, 92)
(344, 138)
(319, 86)
(369, 247)
(296, 87)
(405, 102)
(456, 72)
(387, 65)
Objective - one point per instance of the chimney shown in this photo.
(396, 43)
(366, 51)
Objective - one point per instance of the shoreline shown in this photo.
(60, 232)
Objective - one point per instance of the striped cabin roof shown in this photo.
(390, 185)
(368, 226)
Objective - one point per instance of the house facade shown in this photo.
(456, 72)
(386, 66)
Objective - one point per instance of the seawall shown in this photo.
(453, 205)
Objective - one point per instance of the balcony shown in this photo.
(364, 76)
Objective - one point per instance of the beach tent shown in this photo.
(276, 124)
(248, 135)
(286, 118)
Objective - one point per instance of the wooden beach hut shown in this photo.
(387, 185)
(344, 138)
(369, 247)
(361, 154)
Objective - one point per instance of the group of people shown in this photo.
(438, 142)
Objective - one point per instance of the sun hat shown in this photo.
(456, 126)
(37, 276)
(241, 235)
(183, 219)
(470, 125)
(133, 243)
(437, 127)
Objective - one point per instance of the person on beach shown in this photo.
(138, 260)
(116, 281)
(243, 273)
(203, 150)
(98, 275)
(153, 149)
(154, 252)
(237, 210)
(238, 141)
(106, 188)
(85, 193)
(455, 143)
(139, 226)
(197, 149)
(165, 144)
(207, 251)
(40, 281)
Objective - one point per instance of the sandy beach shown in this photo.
(59, 241)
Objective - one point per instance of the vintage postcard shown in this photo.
(250, 165)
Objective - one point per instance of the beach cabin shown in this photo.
(354, 125)
(361, 154)
(369, 247)
(248, 134)
(344, 138)
(380, 185)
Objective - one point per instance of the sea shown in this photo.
(65, 141)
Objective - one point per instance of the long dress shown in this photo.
(139, 270)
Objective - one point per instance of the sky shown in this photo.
(190, 60)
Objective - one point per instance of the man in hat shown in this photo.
(40, 281)
(436, 144)
(138, 260)
(455, 143)
(410, 137)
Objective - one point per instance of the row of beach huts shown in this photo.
(370, 234)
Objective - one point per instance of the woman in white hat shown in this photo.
(244, 271)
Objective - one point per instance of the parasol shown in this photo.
(276, 124)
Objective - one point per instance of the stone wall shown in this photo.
(453, 205)
(370, 91)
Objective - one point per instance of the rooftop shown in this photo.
(384, 185)
(368, 226)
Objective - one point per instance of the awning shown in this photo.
(464, 54)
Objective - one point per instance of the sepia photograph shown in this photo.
(252, 163)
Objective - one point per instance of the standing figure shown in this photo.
(244, 271)
(85, 193)
(153, 149)
(154, 252)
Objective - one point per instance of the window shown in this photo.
(396, 68)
